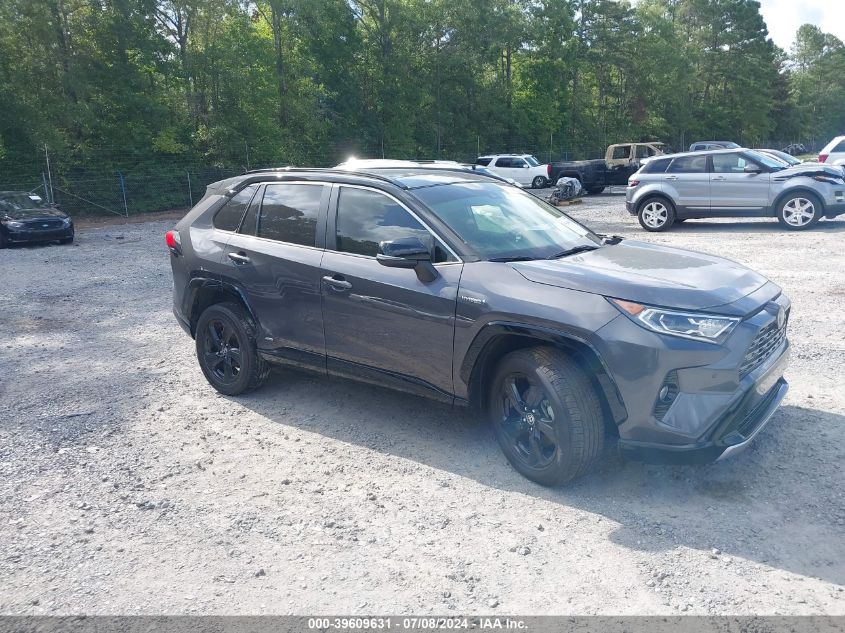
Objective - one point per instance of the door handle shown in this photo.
(337, 283)
(718, 177)
(671, 177)
(239, 258)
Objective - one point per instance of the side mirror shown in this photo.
(751, 168)
(408, 252)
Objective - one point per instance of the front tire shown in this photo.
(539, 182)
(799, 211)
(3, 241)
(546, 415)
(656, 214)
(593, 191)
(227, 352)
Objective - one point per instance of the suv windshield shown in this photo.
(531, 161)
(502, 222)
(22, 201)
(768, 161)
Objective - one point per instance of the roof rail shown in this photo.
(323, 170)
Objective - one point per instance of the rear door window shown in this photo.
(289, 213)
(656, 166)
(688, 165)
(482, 161)
(623, 151)
(229, 217)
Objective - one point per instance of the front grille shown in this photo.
(767, 341)
(44, 225)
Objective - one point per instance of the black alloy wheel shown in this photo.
(546, 415)
(222, 351)
(528, 421)
(226, 350)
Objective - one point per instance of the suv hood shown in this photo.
(808, 169)
(652, 274)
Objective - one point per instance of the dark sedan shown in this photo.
(25, 218)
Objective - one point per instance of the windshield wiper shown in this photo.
(518, 258)
(575, 249)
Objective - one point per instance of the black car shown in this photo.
(452, 285)
(24, 217)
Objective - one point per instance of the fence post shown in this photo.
(123, 191)
(190, 192)
(50, 197)
(46, 190)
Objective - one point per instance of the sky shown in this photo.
(783, 17)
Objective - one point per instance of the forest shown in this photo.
(154, 89)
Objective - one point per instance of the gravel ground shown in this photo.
(127, 485)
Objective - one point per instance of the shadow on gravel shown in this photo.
(757, 506)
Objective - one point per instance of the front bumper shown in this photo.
(630, 208)
(721, 396)
(833, 209)
(25, 235)
(737, 429)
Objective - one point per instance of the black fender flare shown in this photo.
(483, 349)
(199, 283)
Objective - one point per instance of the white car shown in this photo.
(523, 168)
(834, 152)
(352, 164)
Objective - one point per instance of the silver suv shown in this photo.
(733, 183)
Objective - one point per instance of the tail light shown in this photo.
(174, 242)
(822, 157)
(549, 171)
(633, 183)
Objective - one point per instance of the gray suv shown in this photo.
(458, 287)
(733, 183)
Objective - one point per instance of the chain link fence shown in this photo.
(131, 186)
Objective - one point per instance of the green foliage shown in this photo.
(164, 89)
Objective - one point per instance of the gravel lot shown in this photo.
(127, 485)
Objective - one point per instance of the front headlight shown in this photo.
(832, 180)
(66, 221)
(14, 224)
(695, 325)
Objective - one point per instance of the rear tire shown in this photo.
(656, 214)
(227, 352)
(799, 211)
(546, 415)
(539, 182)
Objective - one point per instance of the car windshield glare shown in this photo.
(768, 161)
(22, 201)
(502, 222)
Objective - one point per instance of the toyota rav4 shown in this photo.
(468, 290)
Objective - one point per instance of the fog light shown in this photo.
(666, 395)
